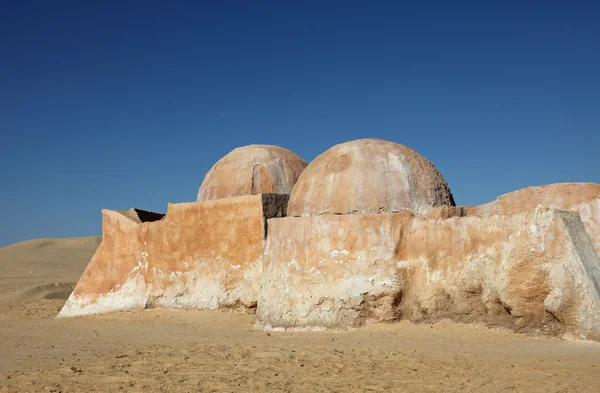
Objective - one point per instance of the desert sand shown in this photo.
(209, 351)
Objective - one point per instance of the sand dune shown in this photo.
(93, 241)
(181, 351)
(42, 261)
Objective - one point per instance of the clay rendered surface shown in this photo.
(535, 271)
(250, 170)
(583, 198)
(200, 255)
(369, 176)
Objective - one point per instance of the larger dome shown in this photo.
(252, 169)
(369, 176)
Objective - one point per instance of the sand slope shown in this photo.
(38, 275)
(182, 351)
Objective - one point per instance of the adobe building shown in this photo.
(370, 233)
(203, 254)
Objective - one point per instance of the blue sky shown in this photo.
(113, 104)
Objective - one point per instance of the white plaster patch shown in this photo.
(294, 264)
(130, 295)
(200, 290)
(336, 253)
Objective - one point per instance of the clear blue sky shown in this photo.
(113, 104)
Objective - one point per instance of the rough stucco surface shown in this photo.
(583, 198)
(535, 271)
(250, 170)
(200, 255)
(369, 176)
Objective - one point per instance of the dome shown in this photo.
(369, 176)
(252, 169)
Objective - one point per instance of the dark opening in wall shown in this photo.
(146, 216)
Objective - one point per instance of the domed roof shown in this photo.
(252, 169)
(369, 176)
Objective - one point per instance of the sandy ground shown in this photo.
(189, 351)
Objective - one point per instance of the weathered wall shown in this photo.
(534, 271)
(200, 255)
(320, 271)
(583, 198)
(112, 280)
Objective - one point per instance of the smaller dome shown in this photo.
(369, 176)
(252, 169)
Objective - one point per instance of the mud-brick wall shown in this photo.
(535, 271)
(200, 255)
